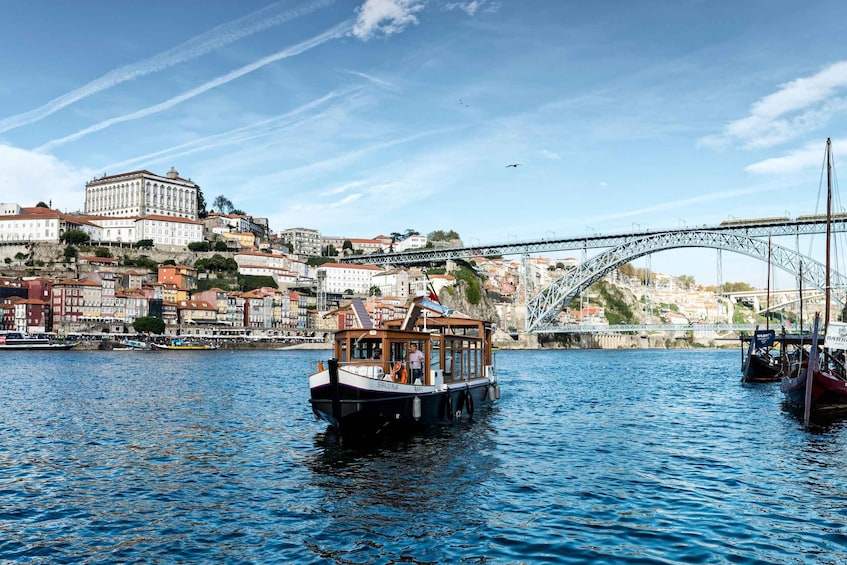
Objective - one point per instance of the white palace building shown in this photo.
(142, 193)
(122, 208)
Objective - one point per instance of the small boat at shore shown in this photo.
(183, 345)
(20, 341)
(760, 366)
(132, 345)
(818, 387)
(413, 374)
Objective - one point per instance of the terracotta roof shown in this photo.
(196, 305)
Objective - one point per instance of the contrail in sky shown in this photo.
(215, 38)
(339, 30)
(228, 137)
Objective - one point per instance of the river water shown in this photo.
(589, 457)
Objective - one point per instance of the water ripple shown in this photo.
(589, 457)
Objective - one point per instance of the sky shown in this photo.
(367, 117)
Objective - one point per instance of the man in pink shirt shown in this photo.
(416, 363)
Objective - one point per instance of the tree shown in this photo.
(347, 245)
(317, 261)
(199, 246)
(409, 233)
(102, 252)
(441, 235)
(144, 243)
(220, 246)
(8, 260)
(374, 291)
(201, 204)
(222, 204)
(149, 324)
(251, 282)
(329, 251)
(41, 204)
(20, 257)
(70, 252)
(737, 287)
(75, 237)
(687, 281)
(238, 212)
(628, 270)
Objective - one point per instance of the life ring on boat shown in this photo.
(469, 402)
(447, 407)
(398, 373)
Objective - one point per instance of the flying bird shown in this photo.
(515, 165)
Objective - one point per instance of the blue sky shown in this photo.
(367, 117)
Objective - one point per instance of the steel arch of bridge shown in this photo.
(542, 308)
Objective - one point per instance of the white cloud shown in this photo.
(547, 154)
(675, 204)
(337, 31)
(377, 81)
(27, 178)
(473, 6)
(386, 16)
(268, 126)
(215, 38)
(344, 188)
(810, 156)
(798, 107)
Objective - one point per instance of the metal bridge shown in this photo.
(777, 227)
(640, 328)
(740, 236)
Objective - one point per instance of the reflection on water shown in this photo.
(590, 456)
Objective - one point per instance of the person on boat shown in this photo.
(377, 353)
(416, 361)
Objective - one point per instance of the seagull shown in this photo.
(515, 165)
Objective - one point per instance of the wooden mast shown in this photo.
(768, 302)
(828, 230)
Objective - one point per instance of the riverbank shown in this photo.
(524, 342)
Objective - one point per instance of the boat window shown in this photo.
(342, 353)
(366, 348)
(435, 355)
(448, 358)
(398, 352)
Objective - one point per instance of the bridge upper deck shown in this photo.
(757, 227)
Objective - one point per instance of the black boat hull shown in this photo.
(357, 412)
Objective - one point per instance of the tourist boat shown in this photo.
(818, 386)
(178, 344)
(362, 392)
(22, 341)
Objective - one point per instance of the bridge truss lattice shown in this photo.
(543, 308)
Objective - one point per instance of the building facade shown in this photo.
(142, 193)
(303, 241)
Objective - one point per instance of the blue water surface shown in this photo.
(642, 456)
